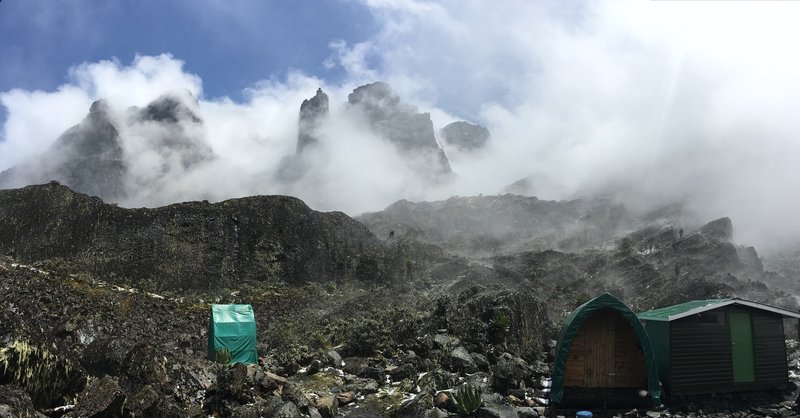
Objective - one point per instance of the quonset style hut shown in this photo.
(603, 356)
(718, 345)
(233, 327)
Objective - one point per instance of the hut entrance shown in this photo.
(744, 368)
(605, 354)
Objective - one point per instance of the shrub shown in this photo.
(223, 356)
(467, 399)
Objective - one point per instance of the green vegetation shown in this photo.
(467, 399)
(44, 375)
(223, 356)
(581, 299)
(501, 321)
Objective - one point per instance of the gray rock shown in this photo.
(355, 365)
(460, 360)
(509, 373)
(497, 411)
(333, 359)
(411, 132)
(102, 398)
(314, 413)
(327, 406)
(401, 372)
(88, 157)
(721, 228)
(287, 410)
(480, 361)
(172, 107)
(15, 402)
(527, 412)
(312, 113)
(465, 135)
(446, 342)
(142, 403)
(106, 356)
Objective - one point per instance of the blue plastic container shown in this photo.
(584, 414)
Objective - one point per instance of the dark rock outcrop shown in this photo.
(171, 107)
(721, 228)
(465, 135)
(312, 113)
(189, 245)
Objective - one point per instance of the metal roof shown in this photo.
(682, 310)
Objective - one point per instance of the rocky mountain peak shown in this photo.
(312, 111)
(100, 106)
(721, 228)
(465, 135)
(87, 157)
(400, 123)
(378, 100)
(172, 107)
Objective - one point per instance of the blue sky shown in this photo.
(231, 44)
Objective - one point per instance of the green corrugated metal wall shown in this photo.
(695, 357)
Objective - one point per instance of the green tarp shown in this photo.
(233, 327)
(573, 324)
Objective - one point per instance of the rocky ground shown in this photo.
(76, 346)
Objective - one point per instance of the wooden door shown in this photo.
(600, 334)
(605, 354)
(744, 368)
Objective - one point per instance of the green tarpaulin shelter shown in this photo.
(233, 327)
(603, 345)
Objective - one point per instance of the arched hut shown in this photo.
(604, 356)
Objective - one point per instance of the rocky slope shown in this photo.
(194, 245)
(486, 225)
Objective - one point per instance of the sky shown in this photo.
(649, 101)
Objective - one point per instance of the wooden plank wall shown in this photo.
(605, 354)
(630, 368)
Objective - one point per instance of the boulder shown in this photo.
(460, 360)
(333, 359)
(403, 371)
(142, 403)
(15, 402)
(101, 398)
(497, 411)
(509, 373)
(106, 355)
(345, 398)
(327, 406)
(355, 365)
(147, 365)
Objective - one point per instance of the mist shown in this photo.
(647, 102)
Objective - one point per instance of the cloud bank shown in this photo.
(651, 102)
